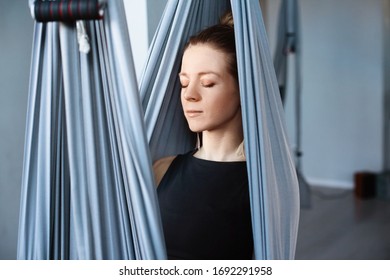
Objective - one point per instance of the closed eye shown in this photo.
(183, 83)
(208, 85)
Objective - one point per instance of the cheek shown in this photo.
(224, 105)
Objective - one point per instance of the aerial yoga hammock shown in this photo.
(288, 49)
(87, 189)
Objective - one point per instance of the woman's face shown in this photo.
(209, 95)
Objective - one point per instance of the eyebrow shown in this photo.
(202, 73)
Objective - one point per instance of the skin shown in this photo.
(211, 104)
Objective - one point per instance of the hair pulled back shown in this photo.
(221, 37)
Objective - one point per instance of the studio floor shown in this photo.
(339, 226)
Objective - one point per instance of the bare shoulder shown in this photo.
(160, 167)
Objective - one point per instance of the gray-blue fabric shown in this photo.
(273, 181)
(272, 176)
(88, 189)
(288, 51)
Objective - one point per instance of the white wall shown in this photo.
(16, 28)
(143, 17)
(342, 88)
(137, 22)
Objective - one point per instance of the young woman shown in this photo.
(203, 195)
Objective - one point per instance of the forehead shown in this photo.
(203, 58)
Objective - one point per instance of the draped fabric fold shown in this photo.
(272, 176)
(88, 189)
(273, 181)
(288, 52)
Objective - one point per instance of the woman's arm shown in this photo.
(160, 167)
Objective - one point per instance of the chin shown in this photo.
(196, 128)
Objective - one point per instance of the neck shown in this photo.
(224, 146)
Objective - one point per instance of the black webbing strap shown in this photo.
(67, 10)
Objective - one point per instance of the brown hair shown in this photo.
(221, 37)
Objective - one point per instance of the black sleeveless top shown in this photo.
(205, 209)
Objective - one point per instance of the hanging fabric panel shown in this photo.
(87, 187)
(273, 181)
(288, 52)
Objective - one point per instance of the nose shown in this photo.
(191, 94)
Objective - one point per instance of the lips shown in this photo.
(193, 113)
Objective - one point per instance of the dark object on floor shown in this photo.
(365, 184)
